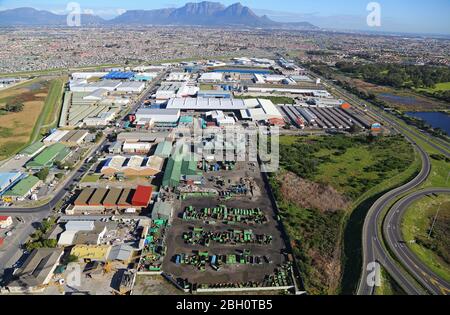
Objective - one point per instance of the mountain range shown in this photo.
(203, 14)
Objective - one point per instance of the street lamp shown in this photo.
(434, 221)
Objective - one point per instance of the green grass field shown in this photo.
(274, 99)
(24, 128)
(359, 170)
(52, 107)
(439, 168)
(91, 178)
(439, 87)
(416, 224)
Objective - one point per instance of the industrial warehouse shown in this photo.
(133, 166)
(97, 103)
(102, 200)
(55, 153)
(154, 160)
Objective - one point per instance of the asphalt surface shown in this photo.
(373, 250)
(394, 239)
(11, 250)
(79, 173)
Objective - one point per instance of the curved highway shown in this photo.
(373, 250)
(394, 239)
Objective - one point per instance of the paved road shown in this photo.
(443, 147)
(373, 250)
(394, 239)
(11, 252)
(80, 172)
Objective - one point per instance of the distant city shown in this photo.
(207, 150)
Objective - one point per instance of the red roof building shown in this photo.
(5, 222)
(142, 196)
(277, 122)
(346, 106)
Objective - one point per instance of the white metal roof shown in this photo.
(117, 161)
(205, 104)
(135, 162)
(269, 108)
(80, 226)
(211, 76)
(67, 238)
(56, 136)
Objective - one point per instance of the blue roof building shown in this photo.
(8, 179)
(214, 94)
(119, 75)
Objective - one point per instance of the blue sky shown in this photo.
(430, 16)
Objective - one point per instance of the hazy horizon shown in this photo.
(398, 16)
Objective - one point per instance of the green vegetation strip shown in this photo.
(388, 285)
(360, 169)
(274, 99)
(48, 117)
(434, 249)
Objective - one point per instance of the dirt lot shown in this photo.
(154, 285)
(235, 273)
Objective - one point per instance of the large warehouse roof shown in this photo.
(112, 198)
(23, 187)
(6, 179)
(125, 198)
(158, 115)
(142, 196)
(33, 149)
(164, 149)
(47, 157)
(205, 104)
(37, 267)
(211, 76)
(118, 75)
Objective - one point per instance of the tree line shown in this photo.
(401, 76)
(398, 76)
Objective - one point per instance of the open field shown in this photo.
(274, 99)
(154, 285)
(440, 166)
(439, 87)
(53, 103)
(416, 224)
(399, 98)
(40, 99)
(17, 128)
(327, 244)
(403, 100)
